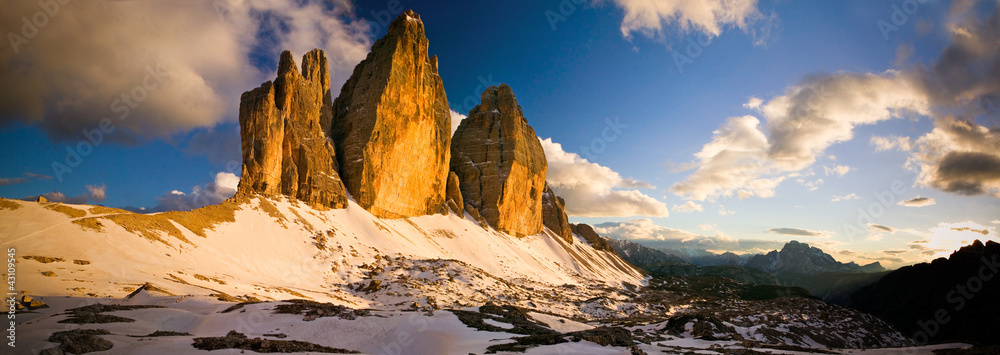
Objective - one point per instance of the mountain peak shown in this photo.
(392, 126)
(405, 22)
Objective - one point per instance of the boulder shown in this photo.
(500, 164)
(392, 126)
(285, 150)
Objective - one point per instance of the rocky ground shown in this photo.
(673, 315)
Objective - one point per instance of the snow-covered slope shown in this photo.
(267, 249)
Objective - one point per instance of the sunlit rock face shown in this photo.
(392, 126)
(285, 151)
(500, 164)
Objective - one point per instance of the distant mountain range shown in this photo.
(796, 264)
(800, 258)
(953, 299)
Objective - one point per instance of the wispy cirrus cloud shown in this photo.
(799, 232)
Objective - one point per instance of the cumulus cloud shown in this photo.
(689, 207)
(891, 143)
(649, 17)
(742, 160)
(798, 232)
(918, 201)
(995, 221)
(97, 192)
(179, 66)
(222, 187)
(456, 119)
(653, 235)
(837, 170)
(706, 227)
(593, 190)
(851, 196)
(960, 157)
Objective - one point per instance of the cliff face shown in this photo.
(595, 240)
(554, 215)
(500, 164)
(285, 151)
(392, 126)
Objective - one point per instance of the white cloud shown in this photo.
(649, 17)
(724, 212)
(810, 185)
(753, 103)
(204, 49)
(891, 143)
(851, 196)
(456, 119)
(653, 235)
(97, 192)
(221, 188)
(918, 201)
(733, 162)
(837, 170)
(706, 227)
(801, 124)
(995, 221)
(689, 207)
(592, 190)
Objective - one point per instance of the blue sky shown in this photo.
(571, 77)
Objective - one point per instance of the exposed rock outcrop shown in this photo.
(500, 163)
(554, 215)
(454, 193)
(595, 240)
(285, 151)
(392, 126)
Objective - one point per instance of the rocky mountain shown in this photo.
(392, 127)
(291, 264)
(589, 235)
(800, 258)
(554, 215)
(500, 163)
(285, 150)
(953, 299)
(704, 257)
(638, 255)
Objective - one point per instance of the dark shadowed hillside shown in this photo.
(953, 299)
